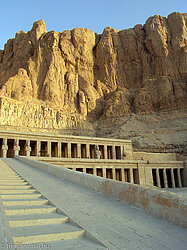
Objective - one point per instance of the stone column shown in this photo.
(5, 147)
(113, 173)
(172, 178)
(78, 150)
(113, 152)
(59, 149)
(88, 151)
(16, 147)
(49, 148)
(165, 178)
(74, 168)
(157, 178)
(69, 149)
(38, 148)
(121, 152)
(84, 169)
(94, 171)
(131, 176)
(179, 177)
(105, 152)
(104, 172)
(122, 175)
(28, 148)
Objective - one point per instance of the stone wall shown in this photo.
(152, 157)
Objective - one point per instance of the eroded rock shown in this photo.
(78, 73)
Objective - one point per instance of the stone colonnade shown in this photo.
(48, 148)
(124, 174)
(167, 177)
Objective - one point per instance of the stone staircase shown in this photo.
(34, 220)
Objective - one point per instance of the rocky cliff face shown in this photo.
(81, 80)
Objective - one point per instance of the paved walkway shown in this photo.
(114, 223)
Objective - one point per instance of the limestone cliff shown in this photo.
(81, 80)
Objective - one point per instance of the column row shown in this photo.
(167, 177)
(120, 174)
(11, 147)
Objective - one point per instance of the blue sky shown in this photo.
(60, 15)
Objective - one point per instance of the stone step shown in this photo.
(17, 191)
(37, 222)
(13, 183)
(46, 233)
(15, 179)
(36, 216)
(5, 177)
(7, 171)
(14, 210)
(20, 196)
(20, 182)
(25, 202)
(15, 187)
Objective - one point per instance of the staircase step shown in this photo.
(15, 187)
(37, 222)
(7, 183)
(20, 182)
(31, 210)
(25, 202)
(10, 177)
(20, 196)
(35, 216)
(46, 233)
(17, 191)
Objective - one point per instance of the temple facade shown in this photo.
(107, 158)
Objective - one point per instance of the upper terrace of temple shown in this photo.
(108, 158)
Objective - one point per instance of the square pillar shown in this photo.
(84, 170)
(179, 177)
(88, 151)
(105, 152)
(122, 152)
(113, 173)
(122, 175)
(165, 179)
(94, 171)
(172, 178)
(158, 178)
(38, 147)
(78, 150)
(113, 152)
(131, 176)
(104, 172)
(59, 149)
(49, 148)
(69, 149)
